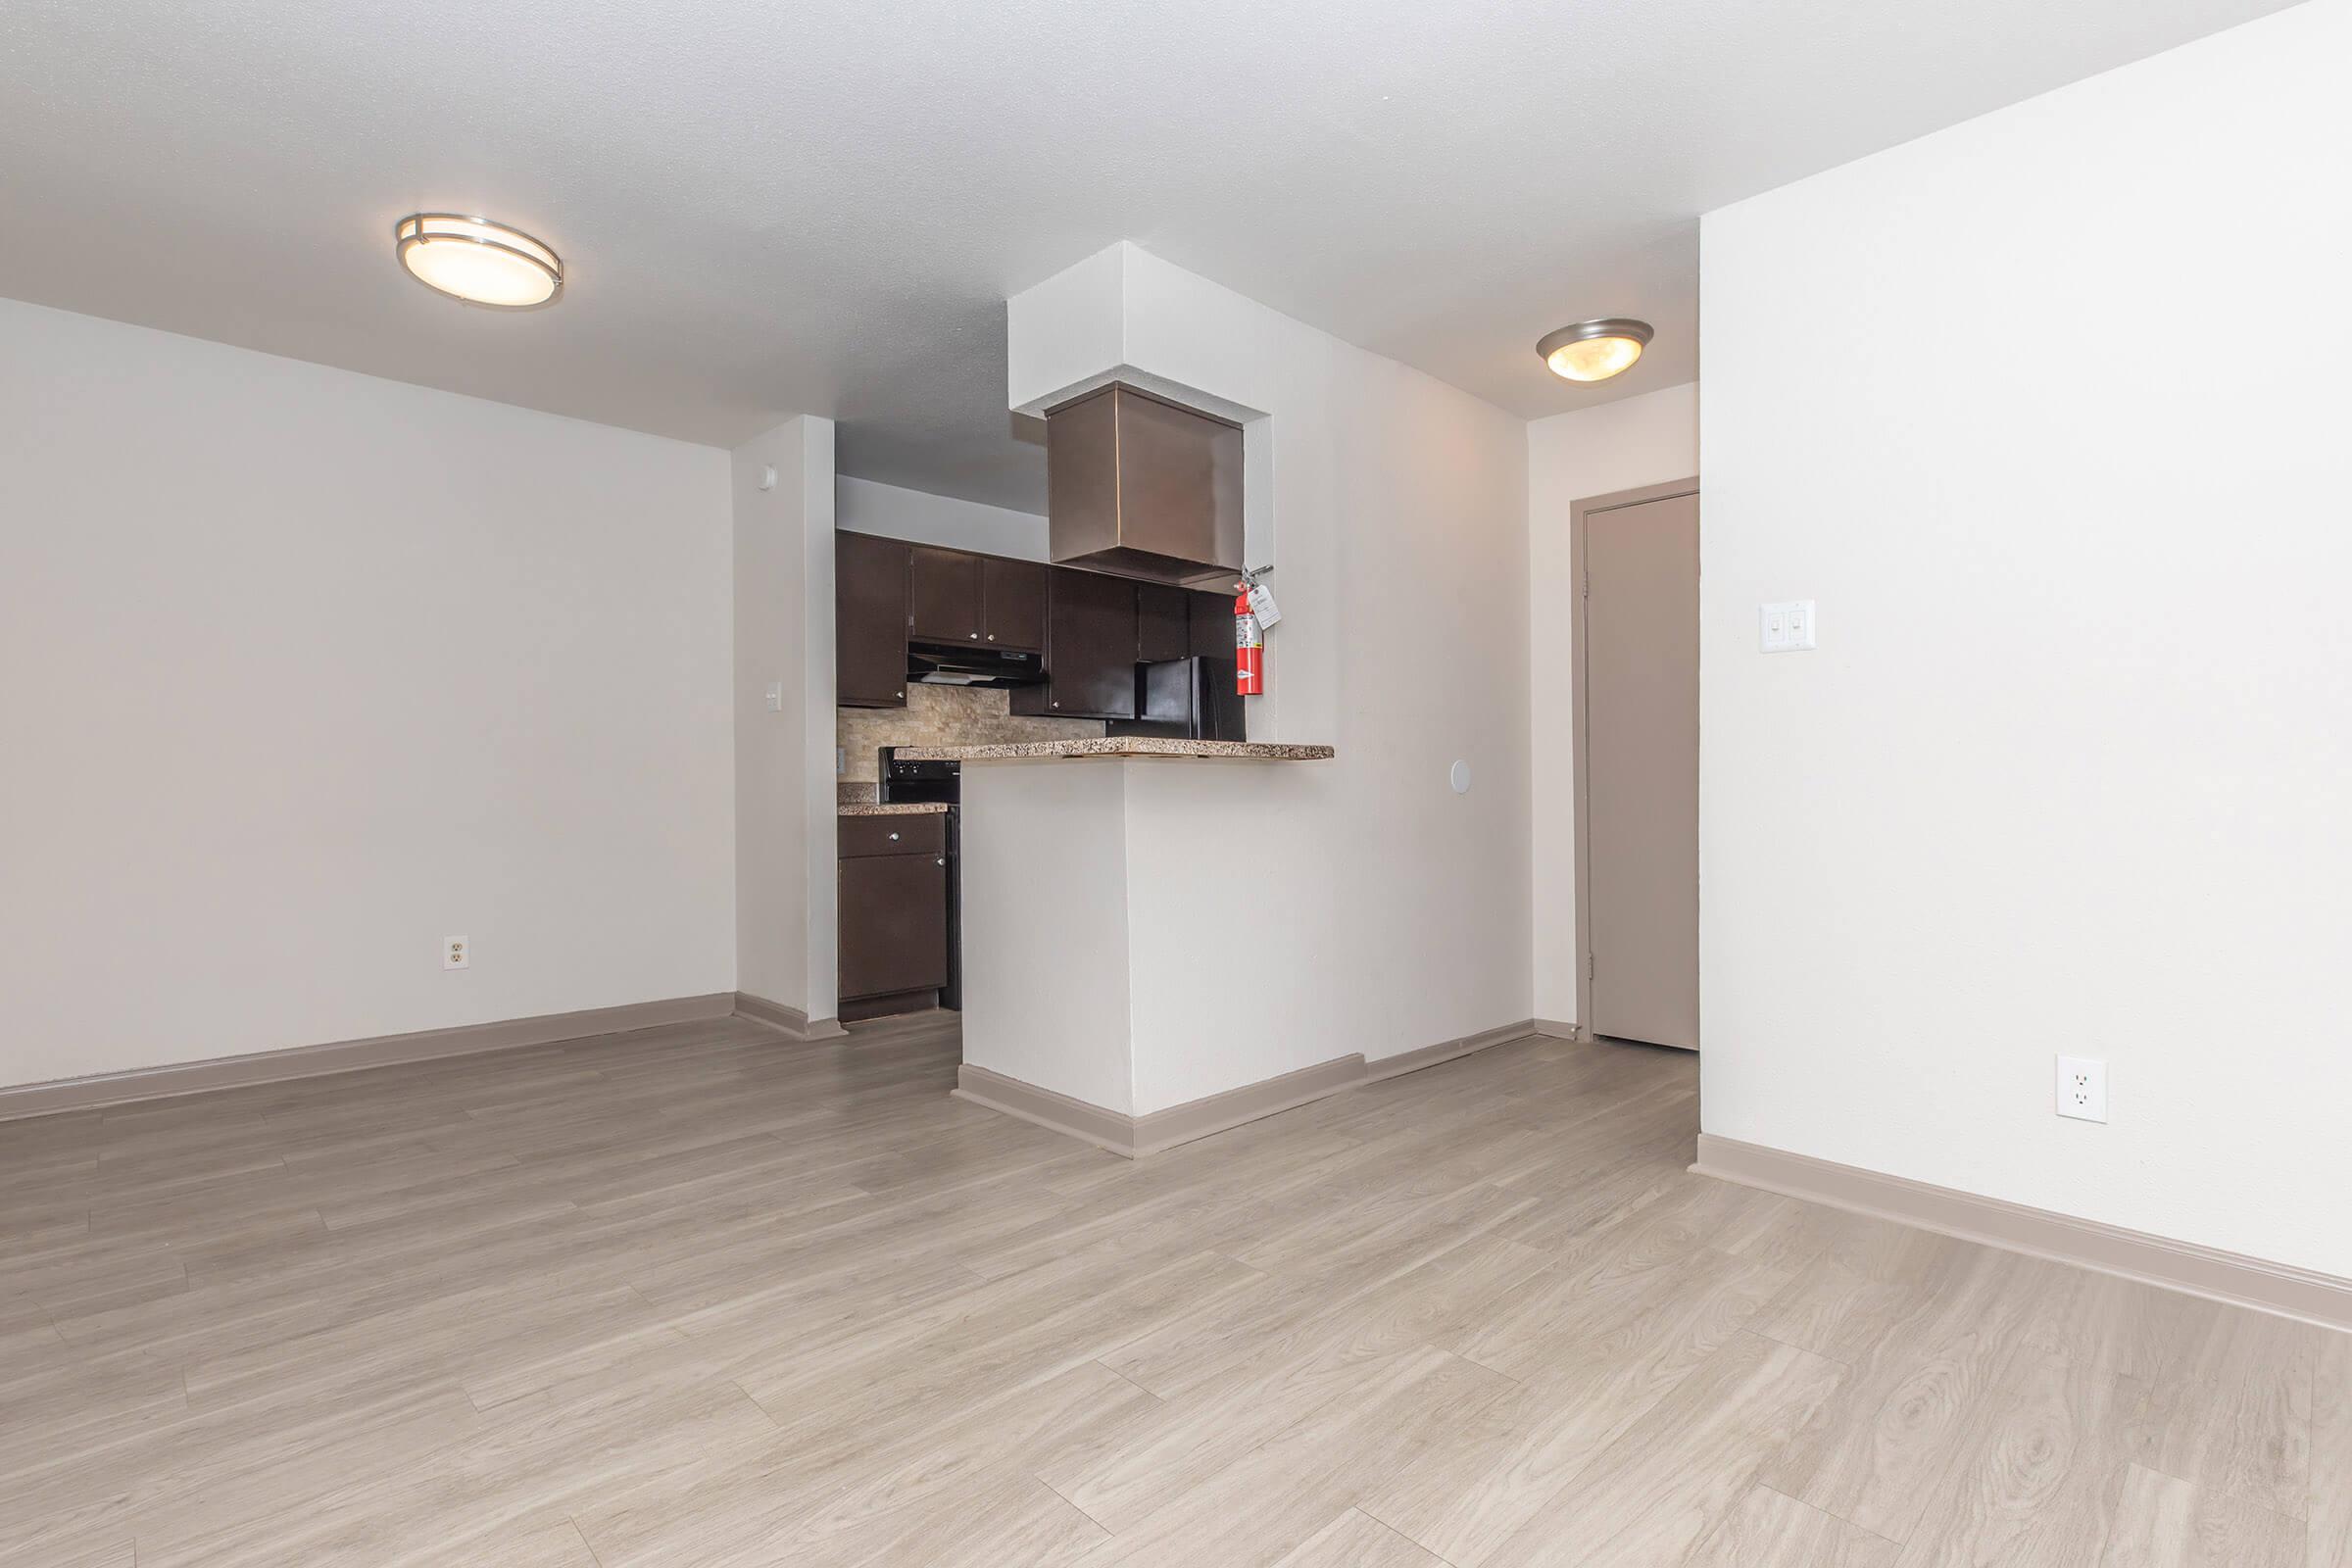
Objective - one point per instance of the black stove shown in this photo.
(918, 780)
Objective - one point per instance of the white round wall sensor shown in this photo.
(1462, 778)
(767, 478)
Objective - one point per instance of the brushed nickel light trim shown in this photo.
(1601, 362)
(528, 264)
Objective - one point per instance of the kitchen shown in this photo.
(938, 650)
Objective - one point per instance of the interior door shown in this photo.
(1641, 626)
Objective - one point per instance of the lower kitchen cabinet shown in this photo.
(893, 914)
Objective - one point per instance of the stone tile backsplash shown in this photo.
(941, 716)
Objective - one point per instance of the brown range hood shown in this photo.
(1139, 487)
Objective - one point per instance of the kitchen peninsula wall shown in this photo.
(940, 715)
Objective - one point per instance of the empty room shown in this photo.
(1304, 786)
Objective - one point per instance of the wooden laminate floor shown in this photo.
(697, 1295)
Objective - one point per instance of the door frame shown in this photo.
(1579, 733)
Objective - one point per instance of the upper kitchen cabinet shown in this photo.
(1012, 603)
(956, 597)
(1162, 623)
(1137, 486)
(869, 620)
(1211, 623)
(943, 596)
(1089, 649)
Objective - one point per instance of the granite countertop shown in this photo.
(893, 809)
(1118, 746)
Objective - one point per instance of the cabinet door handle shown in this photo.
(973, 635)
(894, 838)
(992, 636)
(942, 860)
(1056, 702)
(898, 693)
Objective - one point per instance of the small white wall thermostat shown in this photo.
(1788, 626)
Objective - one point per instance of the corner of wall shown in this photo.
(823, 883)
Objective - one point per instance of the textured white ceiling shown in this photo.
(777, 206)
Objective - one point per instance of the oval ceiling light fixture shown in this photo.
(475, 260)
(1595, 351)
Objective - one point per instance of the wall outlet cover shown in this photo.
(2083, 1088)
(457, 953)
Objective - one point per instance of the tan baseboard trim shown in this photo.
(1138, 1136)
(1447, 1051)
(791, 1020)
(1560, 1029)
(1110, 1128)
(2231, 1277)
(351, 1056)
(1215, 1113)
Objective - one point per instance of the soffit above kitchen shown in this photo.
(821, 207)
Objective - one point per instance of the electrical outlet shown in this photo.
(457, 953)
(2083, 1088)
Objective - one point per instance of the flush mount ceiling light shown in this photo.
(1595, 351)
(477, 261)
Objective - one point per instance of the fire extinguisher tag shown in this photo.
(1261, 605)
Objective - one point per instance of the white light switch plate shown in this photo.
(2083, 1088)
(1788, 626)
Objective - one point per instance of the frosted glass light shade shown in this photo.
(475, 260)
(1595, 351)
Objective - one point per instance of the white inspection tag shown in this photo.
(1261, 605)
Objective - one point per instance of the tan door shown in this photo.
(1642, 769)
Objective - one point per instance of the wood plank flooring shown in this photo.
(698, 1296)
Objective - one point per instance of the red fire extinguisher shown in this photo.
(1249, 648)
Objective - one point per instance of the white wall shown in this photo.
(866, 506)
(1357, 906)
(1046, 995)
(786, 889)
(2049, 413)
(1651, 439)
(302, 671)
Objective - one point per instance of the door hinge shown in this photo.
(1590, 966)
(1588, 585)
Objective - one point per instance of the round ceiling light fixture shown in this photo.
(1595, 351)
(475, 260)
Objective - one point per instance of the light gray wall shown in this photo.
(2047, 412)
(866, 506)
(302, 671)
(786, 921)
(1651, 439)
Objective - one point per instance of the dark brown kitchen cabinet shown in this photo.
(1162, 623)
(956, 597)
(869, 620)
(893, 915)
(943, 596)
(1089, 649)
(1012, 603)
(1211, 625)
